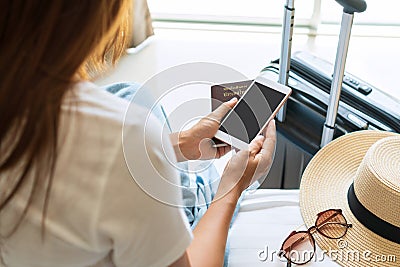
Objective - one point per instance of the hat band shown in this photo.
(370, 220)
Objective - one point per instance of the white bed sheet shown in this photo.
(265, 219)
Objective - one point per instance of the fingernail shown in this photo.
(233, 100)
(259, 137)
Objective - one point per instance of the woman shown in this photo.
(67, 197)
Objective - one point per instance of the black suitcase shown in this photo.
(300, 134)
(362, 106)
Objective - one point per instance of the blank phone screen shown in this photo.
(252, 112)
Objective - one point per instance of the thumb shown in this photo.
(221, 111)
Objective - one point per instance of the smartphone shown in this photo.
(251, 114)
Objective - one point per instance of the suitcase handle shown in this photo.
(286, 51)
(351, 6)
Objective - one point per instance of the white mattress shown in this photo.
(265, 219)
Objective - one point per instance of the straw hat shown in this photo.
(363, 169)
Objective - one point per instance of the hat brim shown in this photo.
(325, 184)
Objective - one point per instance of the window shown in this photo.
(226, 11)
(310, 14)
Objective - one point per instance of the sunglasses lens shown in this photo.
(332, 223)
(299, 248)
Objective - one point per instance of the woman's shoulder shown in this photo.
(87, 100)
(109, 142)
(90, 109)
(103, 127)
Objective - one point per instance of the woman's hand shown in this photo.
(210, 234)
(247, 166)
(196, 142)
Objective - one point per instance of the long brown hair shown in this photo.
(45, 47)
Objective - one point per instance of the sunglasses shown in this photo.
(299, 246)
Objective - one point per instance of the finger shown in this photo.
(268, 147)
(264, 131)
(270, 136)
(223, 150)
(256, 145)
(207, 150)
(224, 108)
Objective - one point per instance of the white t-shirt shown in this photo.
(98, 215)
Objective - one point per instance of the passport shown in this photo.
(221, 93)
